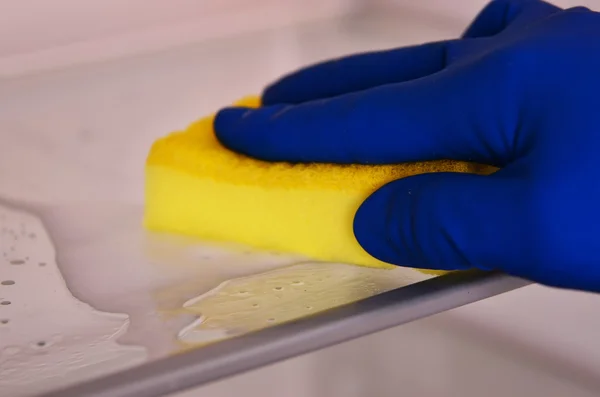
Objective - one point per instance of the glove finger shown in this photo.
(449, 221)
(498, 15)
(461, 114)
(357, 72)
(363, 71)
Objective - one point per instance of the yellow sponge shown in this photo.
(197, 187)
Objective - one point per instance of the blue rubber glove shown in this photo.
(520, 90)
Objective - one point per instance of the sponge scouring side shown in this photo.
(197, 187)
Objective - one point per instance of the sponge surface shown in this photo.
(197, 187)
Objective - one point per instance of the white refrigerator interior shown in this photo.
(84, 291)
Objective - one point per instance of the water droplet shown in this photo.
(5, 303)
(297, 283)
(309, 307)
(42, 264)
(4, 321)
(17, 261)
(278, 288)
(41, 343)
(271, 320)
(255, 305)
(8, 282)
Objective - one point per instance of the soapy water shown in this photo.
(48, 337)
(177, 293)
(110, 262)
(252, 303)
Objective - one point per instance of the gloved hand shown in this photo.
(520, 90)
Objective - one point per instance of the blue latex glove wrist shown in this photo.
(520, 90)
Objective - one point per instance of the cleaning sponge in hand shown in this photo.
(195, 186)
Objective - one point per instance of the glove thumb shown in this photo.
(448, 221)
